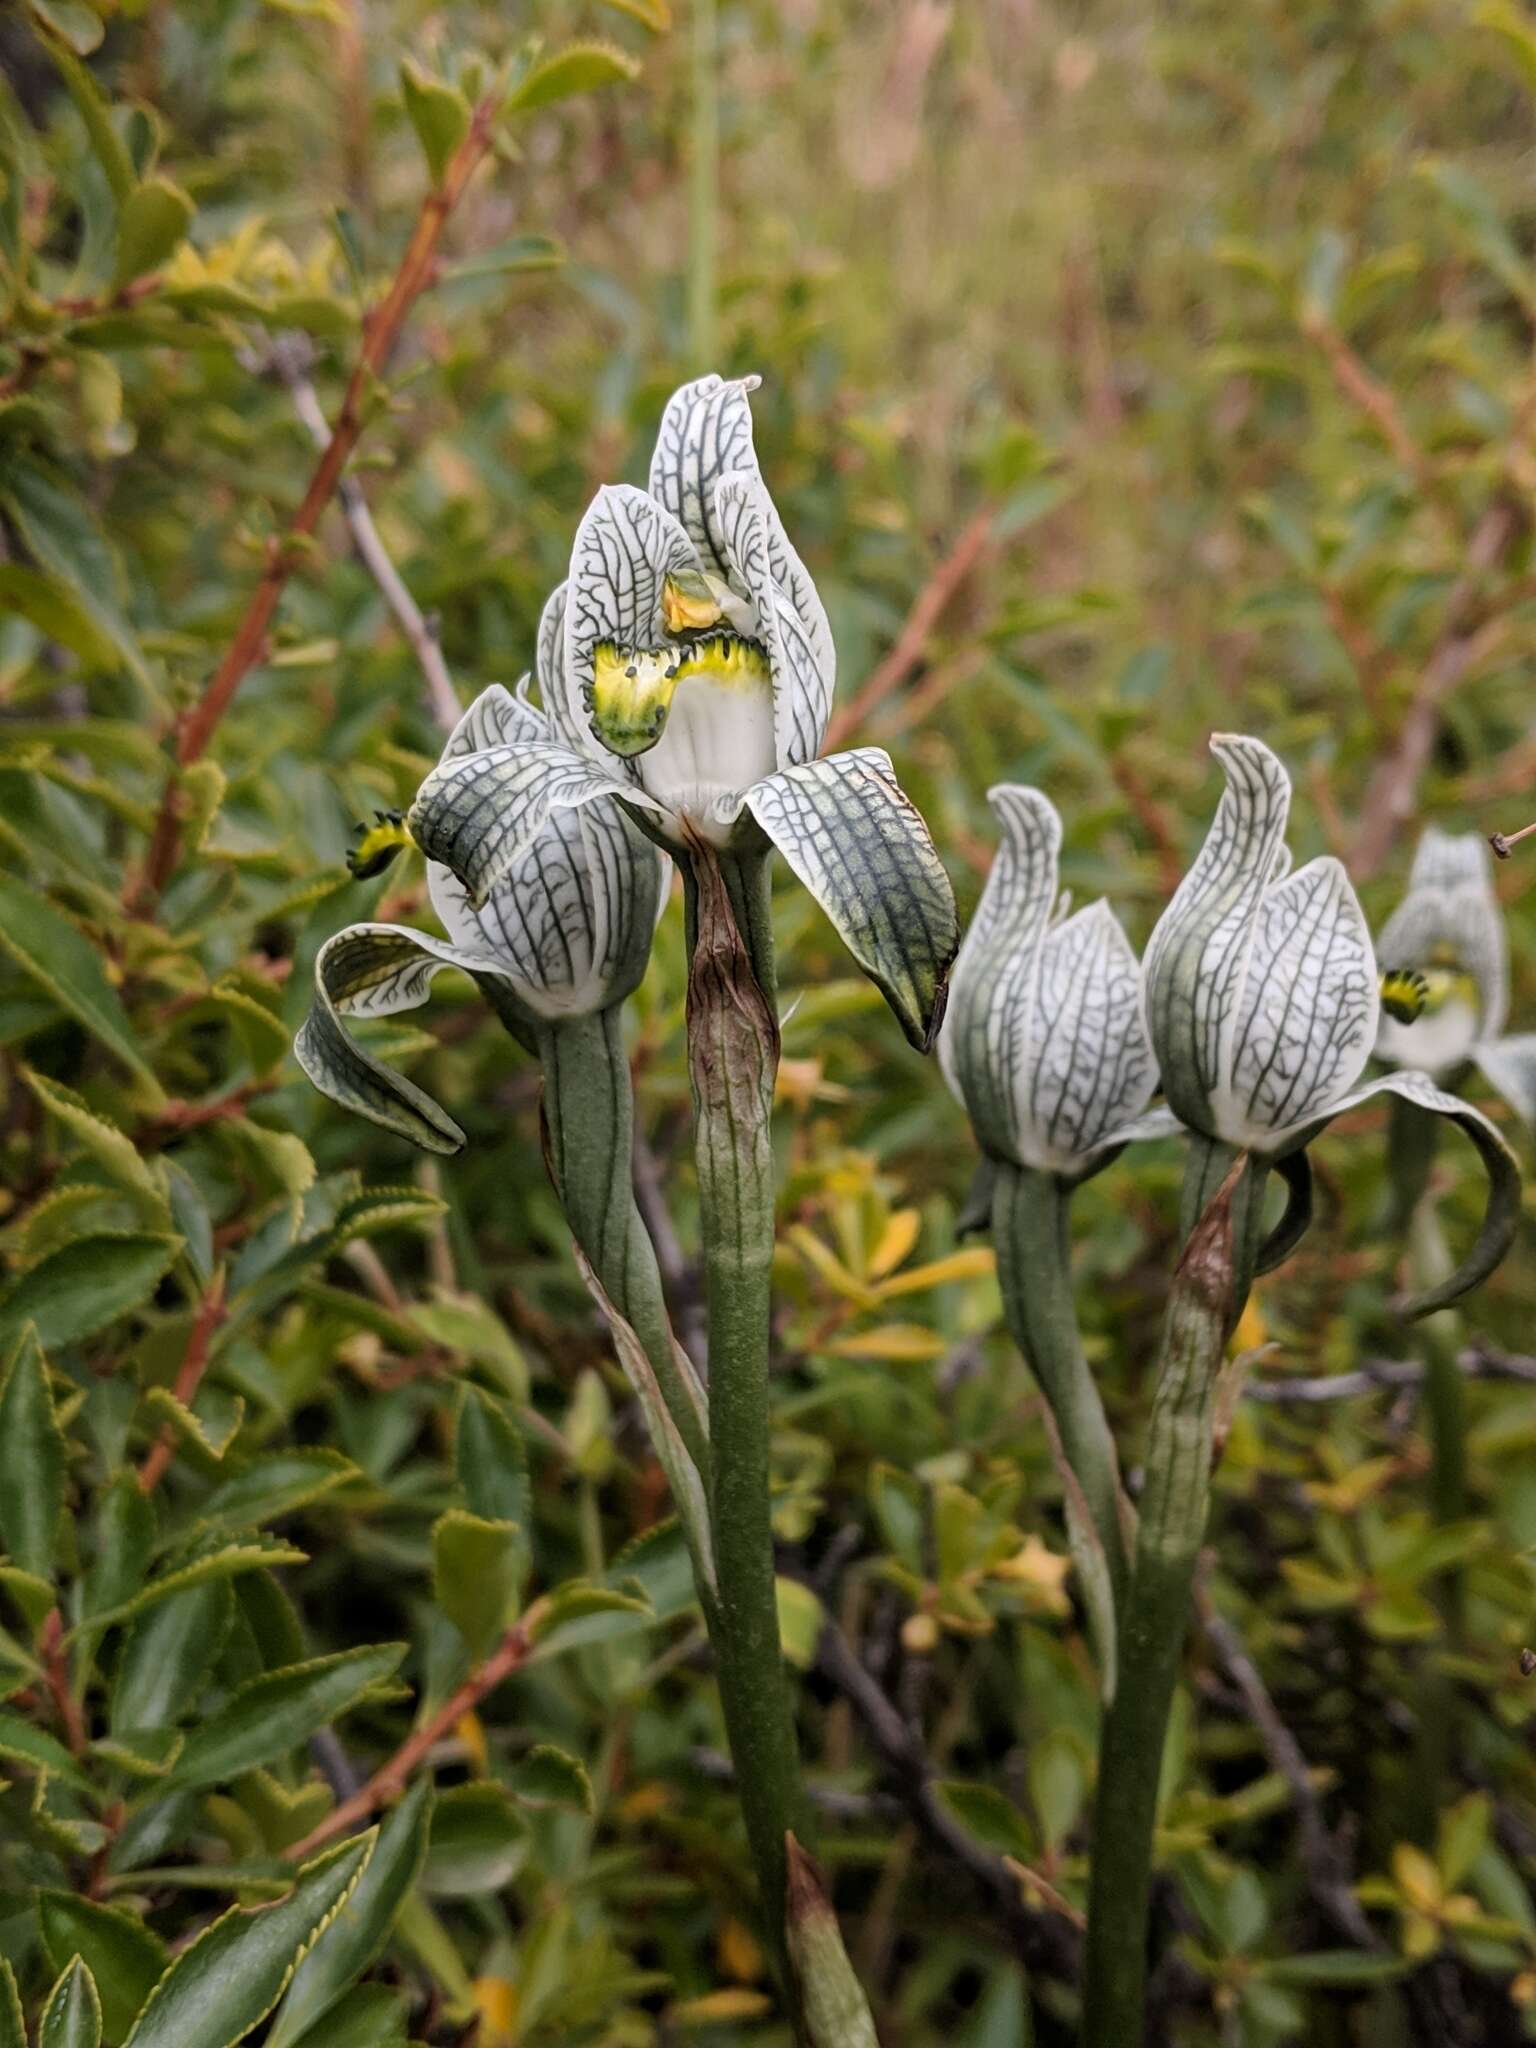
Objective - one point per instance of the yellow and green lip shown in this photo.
(633, 687)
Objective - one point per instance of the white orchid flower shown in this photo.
(1044, 1040)
(1447, 946)
(1263, 1004)
(687, 667)
(565, 932)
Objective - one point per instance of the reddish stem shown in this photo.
(194, 1364)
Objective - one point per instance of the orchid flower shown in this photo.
(1044, 1040)
(687, 669)
(1446, 943)
(1263, 1003)
(564, 933)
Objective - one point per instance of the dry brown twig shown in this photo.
(380, 332)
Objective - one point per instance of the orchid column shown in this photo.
(1262, 1000)
(691, 670)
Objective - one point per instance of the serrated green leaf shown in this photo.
(230, 1978)
(356, 1937)
(31, 1460)
(491, 1459)
(439, 113)
(72, 2015)
(113, 1148)
(124, 1957)
(548, 1777)
(169, 1655)
(279, 1710)
(151, 226)
(13, 2033)
(82, 1286)
(125, 1536)
(39, 1751)
(577, 68)
(207, 1433)
(577, 1601)
(250, 1553)
(275, 1483)
(56, 955)
(476, 1572)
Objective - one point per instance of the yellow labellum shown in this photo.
(633, 687)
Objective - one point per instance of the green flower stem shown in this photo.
(1412, 1141)
(733, 1056)
(1030, 1230)
(1208, 1293)
(589, 1112)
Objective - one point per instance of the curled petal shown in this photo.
(1089, 1067)
(984, 1046)
(1197, 959)
(705, 432)
(1509, 1064)
(376, 970)
(1501, 1217)
(1308, 1013)
(1295, 1169)
(861, 848)
(495, 719)
(791, 620)
(477, 814)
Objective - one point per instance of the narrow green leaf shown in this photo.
(275, 1483)
(151, 226)
(111, 1147)
(169, 1656)
(519, 253)
(125, 1537)
(249, 1553)
(230, 1978)
(491, 1459)
(31, 1460)
(13, 2033)
(279, 1710)
(369, 2016)
(60, 959)
(123, 1956)
(72, 2016)
(82, 1286)
(65, 538)
(54, 609)
(439, 113)
(579, 67)
(356, 1937)
(476, 1572)
(35, 1748)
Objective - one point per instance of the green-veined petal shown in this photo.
(1509, 1064)
(626, 547)
(1450, 909)
(861, 848)
(705, 433)
(1197, 957)
(791, 619)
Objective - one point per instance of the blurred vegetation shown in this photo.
(1159, 371)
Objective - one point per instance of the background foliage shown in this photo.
(1130, 373)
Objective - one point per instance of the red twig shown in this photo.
(391, 1779)
(907, 649)
(380, 332)
(56, 1673)
(194, 1364)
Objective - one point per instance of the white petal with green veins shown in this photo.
(626, 547)
(1509, 1064)
(861, 848)
(1308, 1011)
(1197, 958)
(792, 621)
(1090, 1066)
(705, 432)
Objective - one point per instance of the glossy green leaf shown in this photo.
(71, 2018)
(13, 2032)
(476, 1570)
(31, 1460)
(578, 68)
(168, 1657)
(230, 1978)
(478, 1842)
(274, 1713)
(124, 1957)
(37, 1750)
(151, 226)
(113, 1150)
(125, 1536)
(370, 2016)
(56, 955)
(223, 1561)
(80, 1287)
(356, 1936)
(275, 1483)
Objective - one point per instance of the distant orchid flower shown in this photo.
(1263, 1004)
(1044, 1040)
(1447, 947)
(564, 933)
(687, 668)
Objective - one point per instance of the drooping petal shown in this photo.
(1501, 1217)
(376, 970)
(984, 1045)
(1197, 958)
(705, 432)
(1295, 1170)
(1090, 1067)
(1307, 1017)
(1509, 1065)
(861, 848)
(791, 619)
(1448, 926)
(478, 813)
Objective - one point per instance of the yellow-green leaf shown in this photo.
(578, 68)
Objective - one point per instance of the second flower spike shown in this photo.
(1044, 1041)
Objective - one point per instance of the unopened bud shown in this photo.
(832, 2001)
